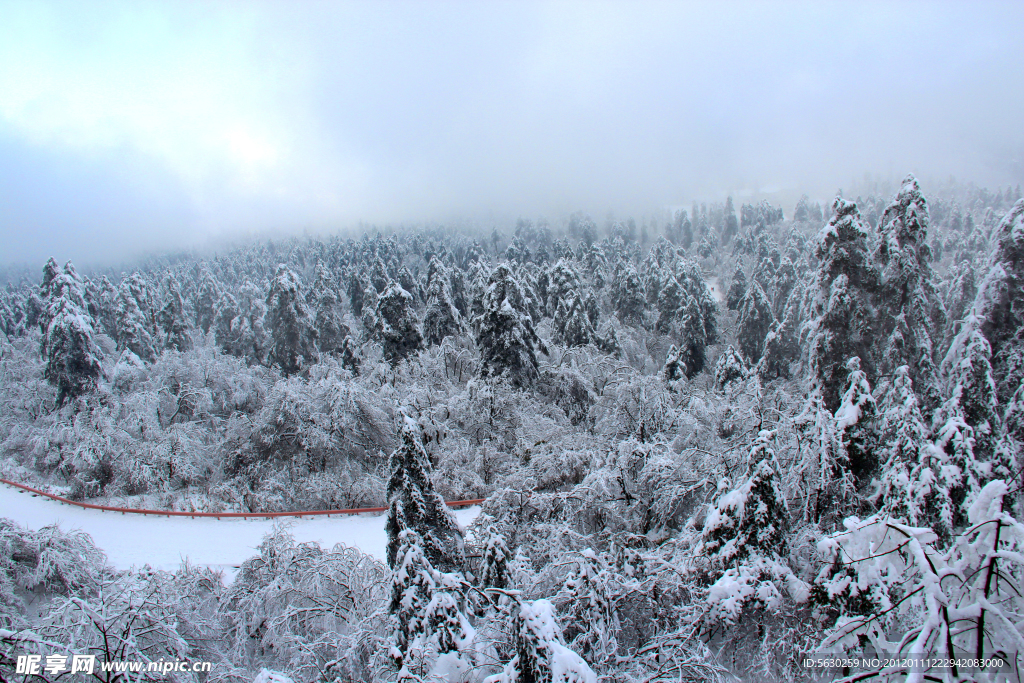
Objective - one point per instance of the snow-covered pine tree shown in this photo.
(571, 324)
(910, 314)
(916, 483)
(630, 300)
(755, 322)
(172, 319)
(823, 468)
(72, 357)
(541, 656)
(737, 290)
(133, 332)
(395, 324)
(442, 318)
(671, 299)
(206, 298)
(968, 425)
(349, 355)
(780, 348)
(744, 540)
(413, 586)
(590, 609)
(414, 504)
(999, 304)
(856, 420)
(494, 562)
(730, 368)
(508, 343)
(328, 325)
(291, 324)
(842, 318)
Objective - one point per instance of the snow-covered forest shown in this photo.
(712, 442)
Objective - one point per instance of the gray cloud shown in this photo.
(169, 123)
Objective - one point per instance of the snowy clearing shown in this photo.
(165, 542)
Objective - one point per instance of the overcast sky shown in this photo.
(127, 127)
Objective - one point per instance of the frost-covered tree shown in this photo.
(349, 355)
(442, 317)
(414, 505)
(842, 320)
(730, 368)
(910, 314)
(916, 484)
(737, 290)
(172, 319)
(856, 421)
(290, 322)
(395, 324)
(540, 654)
(494, 561)
(71, 355)
(780, 348)
(206, 298)
(571, 324)
(999, 305)
(412, 589)
(133, 330)
(755, 322)
(506, 338)
(744, 539)
(629, 298)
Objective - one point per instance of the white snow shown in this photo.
(165, 542)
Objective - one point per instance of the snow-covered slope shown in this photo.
(165, 542)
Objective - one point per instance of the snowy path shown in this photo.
(165, 542)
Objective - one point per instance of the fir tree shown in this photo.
(133, 332)
(842, 323)
(414, 505)
(349, 356)
(730, 368)
(206, 299)
(291, 325)
(737, 290)
(442, 318)
(507, 341)
(412, 589)
(629, 298)
(910, 313)
(172, 319)
(755, 321)
(395, 324)
(856, 422)
(72, 358)
(572, 325)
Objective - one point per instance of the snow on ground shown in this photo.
(165, 542)
(715, 285)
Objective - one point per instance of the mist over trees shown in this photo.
(824, 456)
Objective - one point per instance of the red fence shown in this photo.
(218, 515)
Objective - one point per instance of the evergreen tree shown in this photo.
(413, 587)
(755, 321)
(572, 326)
(916, 485)
(206, 299)
(414, 505)
(442, 318)
(856, 422)
(731, 226)
(328, 326)
(737, 290)
(671, 299)
(133, 331)
(629, 298)
(999, 305)
(540, 654)
(750, 520)
(349, 356)
(507, 341)
(910, 313)
(780, 349)
(172, 319)
(72, 358)
(730, 368)
(842, 323)
(293, 338)
(395, 324)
